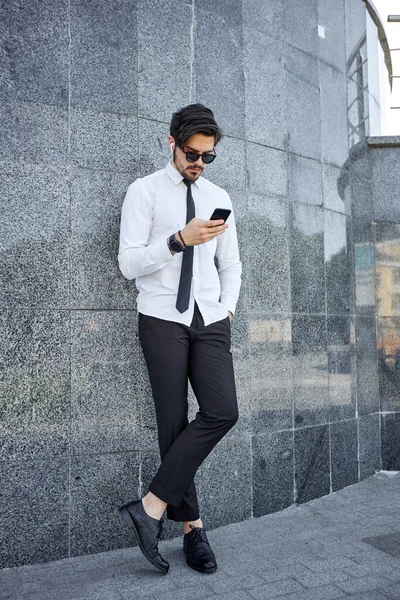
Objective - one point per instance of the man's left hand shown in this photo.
(230, 315)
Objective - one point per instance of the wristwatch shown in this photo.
(174, 245)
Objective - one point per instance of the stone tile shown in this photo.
(230, 10)
(268, 275)
(311, 447)
(334, 143)
(362, 584)
(34, 269)
(34, 384)
(367, 375)
(338, 267)
(310, 370)
(165, 77)
(104, 391)
(301, 25)
(273, 590)
(271, 374)
(96, 281)
(341, 368)
(154, 153)
(305, 180)
(266, 170)
(38, 524)
(332, 47)
(335, 196)
(265, 121)
(303, 103)
(272, 475)
(34, 133)
(223, 483)
(240, 582)
(35, 54)
(369, 445)
(307, 259)
(99, 485)
(196, 592)
(355, 24)
(228, 169)
(266, 16)
(103, 141)
(325, 577)
(388, 362)
(220, 83)
(326, 592)
(344, 454)
(390, 425)
(361, 209)
(385, 178)
(104, 56)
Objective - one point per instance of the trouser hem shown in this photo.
(164, 495)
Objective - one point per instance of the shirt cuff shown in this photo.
(160, 252)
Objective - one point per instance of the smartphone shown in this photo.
(220, 213)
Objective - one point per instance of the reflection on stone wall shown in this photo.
(85, 109)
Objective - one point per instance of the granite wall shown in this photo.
(87, 92)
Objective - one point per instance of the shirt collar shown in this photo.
(176, 177)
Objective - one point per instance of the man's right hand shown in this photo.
(199, 231)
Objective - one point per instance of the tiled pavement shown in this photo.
(345, 545)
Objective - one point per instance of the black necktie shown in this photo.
(185, 281)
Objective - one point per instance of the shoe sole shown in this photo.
(127, 519)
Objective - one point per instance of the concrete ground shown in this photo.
(345, 545)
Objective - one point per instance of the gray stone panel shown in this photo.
(388, 362)
(34, 54)
(344, 454)
(229, 172)
(332, 47)
(266, 16)
(311, 457)
(341, 368)
(301, 24)
(35, 385)
(334, 143)
(34, 133)
(362, 209)
(272, 472)
(271, 374)
(367, 368)
(104, 141)
(303, 103)
(96, 281)
(266, 170)
(104, 56)
(369, 436)
(34, 508)
(305, 183)
(265, 89)
(104, 374)
(390, 428)
(154, 152)
(334, 189)
(386, 183)
(269, 273)
(34, 247)
(337, 263)
(307, 259)
(99, 485)
(310, 370)
(165, 73)
(355, 24)
(230, 10)
(224, 484)
(220, 81)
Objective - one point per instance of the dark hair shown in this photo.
(195, 118)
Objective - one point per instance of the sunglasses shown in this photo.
(206, 157)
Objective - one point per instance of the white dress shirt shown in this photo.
(153, 209)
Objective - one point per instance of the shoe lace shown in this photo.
(199, 534)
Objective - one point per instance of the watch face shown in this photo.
(175, 246)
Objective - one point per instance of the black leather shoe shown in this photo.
(199, 555)
(148, 532)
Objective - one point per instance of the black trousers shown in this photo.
(175, 353)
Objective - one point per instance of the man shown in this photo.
(186, 300)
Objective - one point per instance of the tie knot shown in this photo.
(187, 182)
